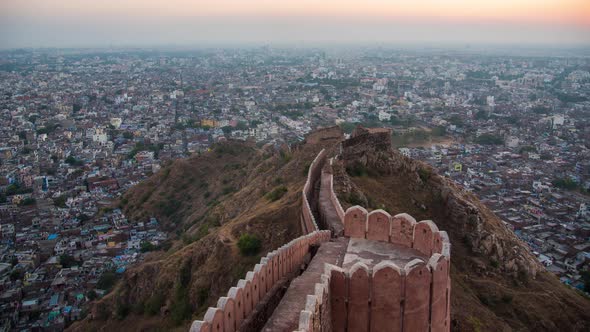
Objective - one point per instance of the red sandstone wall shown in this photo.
(413, 298)
(241, 300)
(335, 199)
(309, 223)
(402, 229)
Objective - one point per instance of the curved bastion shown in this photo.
(395, 277)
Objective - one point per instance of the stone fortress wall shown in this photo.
(414, 297)
(308, 222)
(333, 196)
(241, 301)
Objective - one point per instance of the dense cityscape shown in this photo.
(80, 127)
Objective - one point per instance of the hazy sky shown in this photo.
(88, 23)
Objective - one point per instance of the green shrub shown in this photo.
(153, 305)
(276, 193)
(285, 156)
(202, 296)
(249, 245)
(107, 280)
(92, 295)
(546, 156)
(565, 183)
(495, 264)
(228, 190)
(28, 201)
(16, 275)
(226, 149)
(146, 196)
(169, 207)
(122, 310)
(60, 201)
(424, 174)
(146, 246)
(180, 308)
(484, 299)
(475, 323)
(354, 199)
(357, 170)
(73, 161)
(67, 261)
(489, 139)
(306, 169)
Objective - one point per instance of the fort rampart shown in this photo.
(386, 297)
(308, 222)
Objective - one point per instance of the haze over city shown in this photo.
(74, 23)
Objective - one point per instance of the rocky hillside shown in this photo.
(497, 285)
(207, 203)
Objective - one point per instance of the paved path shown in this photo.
(286, 315)
(328, 214)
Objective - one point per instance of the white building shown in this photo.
(557, 120)
(405, 152)
(384, 116)
(490, 101)
(512, 142)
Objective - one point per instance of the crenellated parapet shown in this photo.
(241, 300)
(401, 229)
(414, 297)
(411, 297)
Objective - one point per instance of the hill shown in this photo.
(208, 203)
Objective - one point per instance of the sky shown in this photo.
(107, 23)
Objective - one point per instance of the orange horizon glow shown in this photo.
(562, 12)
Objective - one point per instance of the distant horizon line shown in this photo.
(425, 46)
